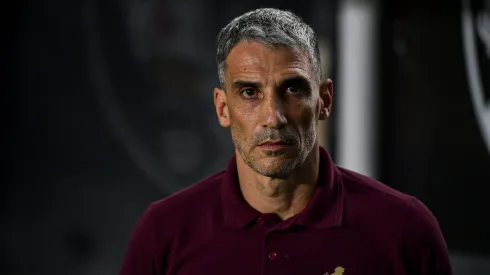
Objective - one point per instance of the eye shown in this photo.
(293, 90)
(248, 93)
(297, 86)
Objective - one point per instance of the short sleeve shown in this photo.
(424, 248)
(142, 253)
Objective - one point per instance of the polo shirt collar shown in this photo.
(237, 212)
(325, 209)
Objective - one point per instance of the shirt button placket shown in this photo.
(273, 256)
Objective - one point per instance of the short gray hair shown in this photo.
(271, 27)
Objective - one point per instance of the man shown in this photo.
(282, 206)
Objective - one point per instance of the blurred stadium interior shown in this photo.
(112, 108)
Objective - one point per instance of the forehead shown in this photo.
(256, 60)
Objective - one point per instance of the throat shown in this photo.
(281, 198)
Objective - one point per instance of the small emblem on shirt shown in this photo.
(337, 271)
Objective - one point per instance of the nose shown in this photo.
(273, 112)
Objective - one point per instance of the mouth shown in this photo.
(274, 145)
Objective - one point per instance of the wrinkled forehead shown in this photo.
(252, 57)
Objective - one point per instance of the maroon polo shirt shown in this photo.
(353, 225)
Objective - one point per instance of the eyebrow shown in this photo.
(244, 83)
(297, 79)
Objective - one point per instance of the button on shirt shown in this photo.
(352, 225)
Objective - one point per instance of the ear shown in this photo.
(326, 96)
(221, 107)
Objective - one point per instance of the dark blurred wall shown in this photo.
(434, 147)
(111, 108)
(73, 192)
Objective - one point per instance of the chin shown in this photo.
(277, 174)
(278, 168)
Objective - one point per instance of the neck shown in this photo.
(285, 197)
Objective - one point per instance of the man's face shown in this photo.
(272, 104)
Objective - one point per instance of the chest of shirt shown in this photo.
(308, 251)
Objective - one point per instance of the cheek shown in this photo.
(305, 112)
(241, 121)
(306, 121)
(246, 113)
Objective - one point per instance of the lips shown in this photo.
(274, 145)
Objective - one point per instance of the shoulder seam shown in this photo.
(392, 194)
(409, 210)
(151, 211)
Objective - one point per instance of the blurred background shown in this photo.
(109, 106)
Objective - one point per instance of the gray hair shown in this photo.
(271, 27)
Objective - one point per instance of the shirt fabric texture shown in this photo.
(353, 225)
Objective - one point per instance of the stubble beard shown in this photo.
(246, 150)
